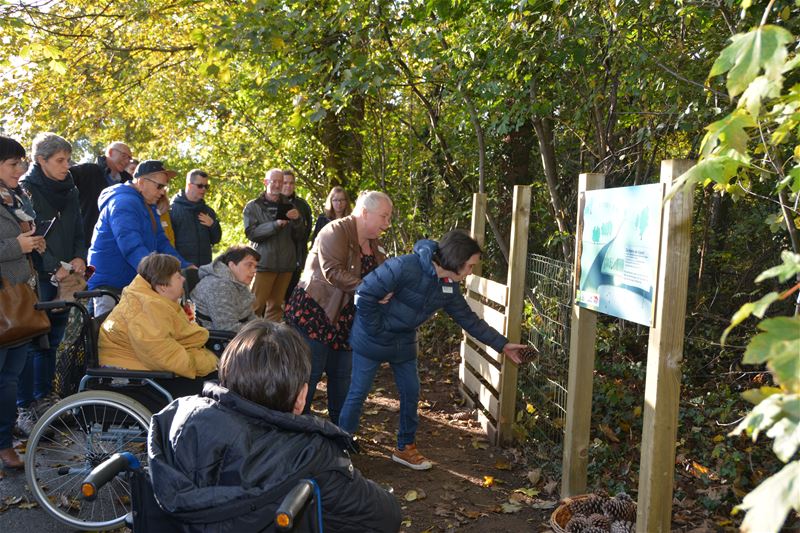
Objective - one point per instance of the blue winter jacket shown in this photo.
(388, 332)
(124, 234)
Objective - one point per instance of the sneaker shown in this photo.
(41, 405)
(411, 458)
(26, 419)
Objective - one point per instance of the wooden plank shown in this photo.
(484, 394)
(461, 370)
(581, 368)
(493, 317)
(664, 357)
(478, 226)
(486, 369)
(517, 268)
(489, 289)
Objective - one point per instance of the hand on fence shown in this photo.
(513, 352)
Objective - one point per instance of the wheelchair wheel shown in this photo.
(72, 437)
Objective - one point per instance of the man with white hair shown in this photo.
(274, 225)
(92, 178)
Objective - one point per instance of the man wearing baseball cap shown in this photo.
(128, 229)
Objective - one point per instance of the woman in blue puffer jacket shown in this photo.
(391, 303)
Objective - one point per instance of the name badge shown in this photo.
(447, 289)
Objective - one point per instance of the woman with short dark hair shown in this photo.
(149, 330)
(223, 298)
(17, 241)
(391, 303)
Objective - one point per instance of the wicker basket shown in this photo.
(562, 514)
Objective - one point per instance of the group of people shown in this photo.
(348, 306)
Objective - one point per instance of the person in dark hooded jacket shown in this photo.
(194, 222)
(243, 445)
(391, 302)
(55, 200)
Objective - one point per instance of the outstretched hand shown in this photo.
(513, 352)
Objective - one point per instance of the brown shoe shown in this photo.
(410, 457)
(11, 459)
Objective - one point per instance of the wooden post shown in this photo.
(478, 227)
(664, 357)
(517, 268)
(581, 367)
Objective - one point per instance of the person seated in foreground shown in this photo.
(243, 443)
(149, 330)
(222, 297)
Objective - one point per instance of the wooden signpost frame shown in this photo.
(488, 380)
(664, 357)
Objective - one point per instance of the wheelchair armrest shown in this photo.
(293, 504)
(130, 374)
(97, 293)
(220, 334)
(106, 471)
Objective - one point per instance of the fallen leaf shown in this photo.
(406, 522)
(488, 481)
(698, 471)
(411, 495)
(440, 510)
(28, 505)
(12, 500)
(535, 475)
(473, 515)
(608, 432)
(511, 507)
(544, 504)
(479, 444)
(501, 464)
(529, 492)
(550, 486)
(421, 494)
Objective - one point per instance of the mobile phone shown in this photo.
(47, 225)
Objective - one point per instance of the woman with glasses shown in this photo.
(58, 217)
(337, 205)
(17, 240)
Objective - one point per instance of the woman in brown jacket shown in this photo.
(321, 306)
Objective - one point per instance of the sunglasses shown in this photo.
(202, 185)
(158, 185)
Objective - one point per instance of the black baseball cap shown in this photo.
(152, 166)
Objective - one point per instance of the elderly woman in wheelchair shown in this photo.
(149, 330)
(150, 352)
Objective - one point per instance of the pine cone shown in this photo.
(600, 520)
(617, 509)
(621, 526)
(577, 524)
(587, 506)
(595, 530)
(623, 496)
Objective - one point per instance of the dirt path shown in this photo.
(472, 484)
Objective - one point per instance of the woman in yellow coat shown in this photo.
(149, 330)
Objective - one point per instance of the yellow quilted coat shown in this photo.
(147, 331)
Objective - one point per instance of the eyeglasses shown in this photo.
(158, 185)
(126, 154)
(201, 185)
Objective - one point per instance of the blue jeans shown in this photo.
(12, 361)
(337, 365)
(36, 380)
(407, 380)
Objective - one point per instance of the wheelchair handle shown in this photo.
(97, 293)
(293, 504)
(105, 472)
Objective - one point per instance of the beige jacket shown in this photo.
(333, 268)
(147, 331)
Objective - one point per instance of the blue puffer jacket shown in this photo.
(388, 332)
(125, 233)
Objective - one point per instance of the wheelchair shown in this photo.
(294, 513)
(84, 429)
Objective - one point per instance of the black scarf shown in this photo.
(56, 192)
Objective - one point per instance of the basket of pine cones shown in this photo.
(592, 513)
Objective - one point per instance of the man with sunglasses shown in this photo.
(195, 222)
(128, 229)
(92, 178)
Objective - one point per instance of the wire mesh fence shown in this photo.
(543, 381)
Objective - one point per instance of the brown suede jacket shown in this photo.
(333, 268)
